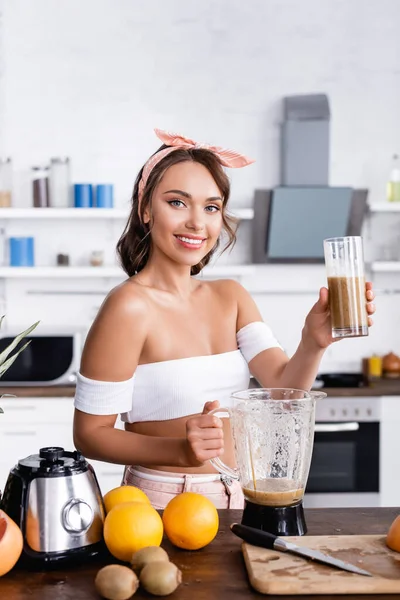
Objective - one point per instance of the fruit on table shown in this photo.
(393, 536)
(124, 493)
(11, 543)
(160, 578)
(391, 364)
(190, 521)
(145, 556)
(116, 582)
(130, 526)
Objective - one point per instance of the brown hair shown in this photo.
(134, 245)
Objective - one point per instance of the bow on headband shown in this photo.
(174, 141)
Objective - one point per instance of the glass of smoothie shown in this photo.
(344, 261)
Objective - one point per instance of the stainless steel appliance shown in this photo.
(290, 223)
(55, 499)
(52, 358)
(345, 463)
(305, 140)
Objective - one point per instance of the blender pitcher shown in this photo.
(273, 434)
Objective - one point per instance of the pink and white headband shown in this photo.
(174, 141)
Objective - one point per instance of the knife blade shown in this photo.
(257, 537)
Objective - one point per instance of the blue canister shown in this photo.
(83, 195)
(105, 195)
(22, 252)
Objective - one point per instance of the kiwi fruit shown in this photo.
(160, 578)
(116, 582)
(146, 555)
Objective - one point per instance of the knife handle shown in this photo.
(253, 536)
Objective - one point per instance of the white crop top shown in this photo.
(175, 388)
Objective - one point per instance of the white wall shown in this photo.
(91, 78)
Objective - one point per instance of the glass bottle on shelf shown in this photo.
(5, 182)
(393, 185)
(60, 184)
(40, 187)
(97, 258)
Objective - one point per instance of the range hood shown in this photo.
(290, 223)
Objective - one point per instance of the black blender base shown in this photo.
(279, 520)
(50, 561)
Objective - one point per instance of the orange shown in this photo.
(190, 521)
(11, 543)
(130, 526)
(393, 536)
(124, 493)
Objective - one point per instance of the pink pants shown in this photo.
(162, 486)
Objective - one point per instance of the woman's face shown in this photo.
(185, 214)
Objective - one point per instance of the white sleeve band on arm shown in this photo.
(254, 338)
(103, 397)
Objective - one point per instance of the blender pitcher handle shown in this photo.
(217, 463)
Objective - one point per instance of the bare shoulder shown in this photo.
(127, 300)
(229, 288)
(126, 305)
(117, 335)
(233, 291)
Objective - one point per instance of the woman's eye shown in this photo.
(212, 208)
(176, 203)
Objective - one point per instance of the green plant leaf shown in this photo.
(7, 364)
(13, 345)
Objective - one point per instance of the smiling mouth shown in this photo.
(192, 242)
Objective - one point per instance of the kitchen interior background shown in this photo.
(90, 80)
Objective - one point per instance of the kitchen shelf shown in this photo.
(59, 272)
(385, 266)
(384, 207)
(62, 213)
(89, 213)
(107, 272)
(228, 270)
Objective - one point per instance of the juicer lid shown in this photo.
(54, 460)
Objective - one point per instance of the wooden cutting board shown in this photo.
(272, 572)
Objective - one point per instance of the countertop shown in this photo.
(381, 387)
(51, 391)
(215, 572)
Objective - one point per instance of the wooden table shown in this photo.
(215, 572)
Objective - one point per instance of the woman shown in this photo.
(165, 347)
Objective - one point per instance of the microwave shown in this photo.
(50, 359)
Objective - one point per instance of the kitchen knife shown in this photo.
(257, 537)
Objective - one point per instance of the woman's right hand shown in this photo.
(204, 436)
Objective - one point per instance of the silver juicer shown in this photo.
(55, 499)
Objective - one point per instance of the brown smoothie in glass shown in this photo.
(273, 491)
(348, 305)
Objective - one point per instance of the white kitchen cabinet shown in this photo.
(22, 439)
(36, 410)
(389, 467)
(29, 424)
(18, 440)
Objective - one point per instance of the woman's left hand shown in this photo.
(318, 325)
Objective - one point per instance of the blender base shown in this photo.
(279, 520)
